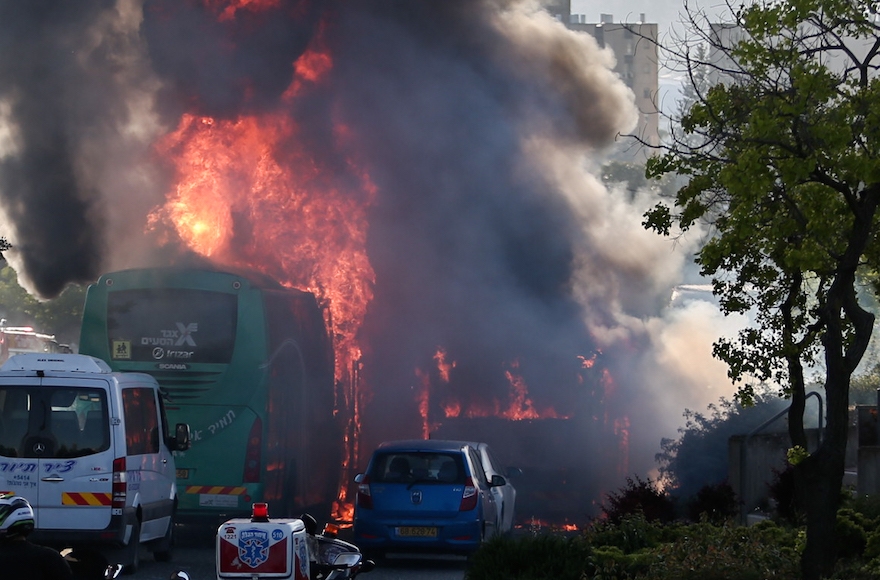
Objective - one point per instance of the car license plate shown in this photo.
(182, 474)
(417, 532)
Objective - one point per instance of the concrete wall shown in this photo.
(868, 450)
(751, 467)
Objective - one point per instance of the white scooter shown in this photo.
(283, 548)
(90, 565)
(332, 558)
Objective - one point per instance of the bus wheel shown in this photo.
(162, 548)
(133, 550)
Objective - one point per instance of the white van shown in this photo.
(92, 452)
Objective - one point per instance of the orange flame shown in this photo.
(442, 366)
(588, 363)
(537, 525)
(247, 194)
(519, 406)
(621, 429)
(226, 9)
(424, 400)
(310, 67)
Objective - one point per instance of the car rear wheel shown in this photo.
(162, 549)
(133, 550)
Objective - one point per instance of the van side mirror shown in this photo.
(181, 441)
(497, 481)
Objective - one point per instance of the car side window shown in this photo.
(480, 472)
(494, 464)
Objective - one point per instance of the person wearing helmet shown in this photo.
(21, 559)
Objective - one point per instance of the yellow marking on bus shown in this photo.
(216, 489)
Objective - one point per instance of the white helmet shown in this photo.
(16, 516)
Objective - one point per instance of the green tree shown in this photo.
(785, 174)
(60, 316)
(633, 176)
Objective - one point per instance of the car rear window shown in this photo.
(421, 466)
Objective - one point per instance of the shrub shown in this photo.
(639, 496)
(850, 532)
(868, 506)
(708, 552)
(547, 556)
(782, 491)
(872, 545)
(632, 533)
(715, 503)
(611, 563)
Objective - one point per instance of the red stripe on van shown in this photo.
(92, 499)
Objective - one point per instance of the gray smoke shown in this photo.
(477, 120)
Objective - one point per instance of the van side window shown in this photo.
(141, 421)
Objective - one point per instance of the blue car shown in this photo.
(425, 495)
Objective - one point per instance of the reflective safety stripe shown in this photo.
(216, 489)
(93, 499)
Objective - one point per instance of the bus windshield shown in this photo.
(174, 325)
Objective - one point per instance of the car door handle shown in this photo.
(52, 478)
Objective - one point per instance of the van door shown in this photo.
(68, 435)
(18, 474)
(149, 463)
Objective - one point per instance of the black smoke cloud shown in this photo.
(47, 88)
(476, 119)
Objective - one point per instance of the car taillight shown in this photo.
(252, 453)
(119, 487)
(364, 498)
(468, 496)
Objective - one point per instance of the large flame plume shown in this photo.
(422, 167)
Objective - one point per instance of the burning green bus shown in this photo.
(248, 364)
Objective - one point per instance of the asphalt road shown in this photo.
(194, 554)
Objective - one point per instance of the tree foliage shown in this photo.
(60, 316)
(782, 157)
(632, 176)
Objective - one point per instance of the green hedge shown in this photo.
(539, 557)
(637, 549)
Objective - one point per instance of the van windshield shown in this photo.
(48, 422)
